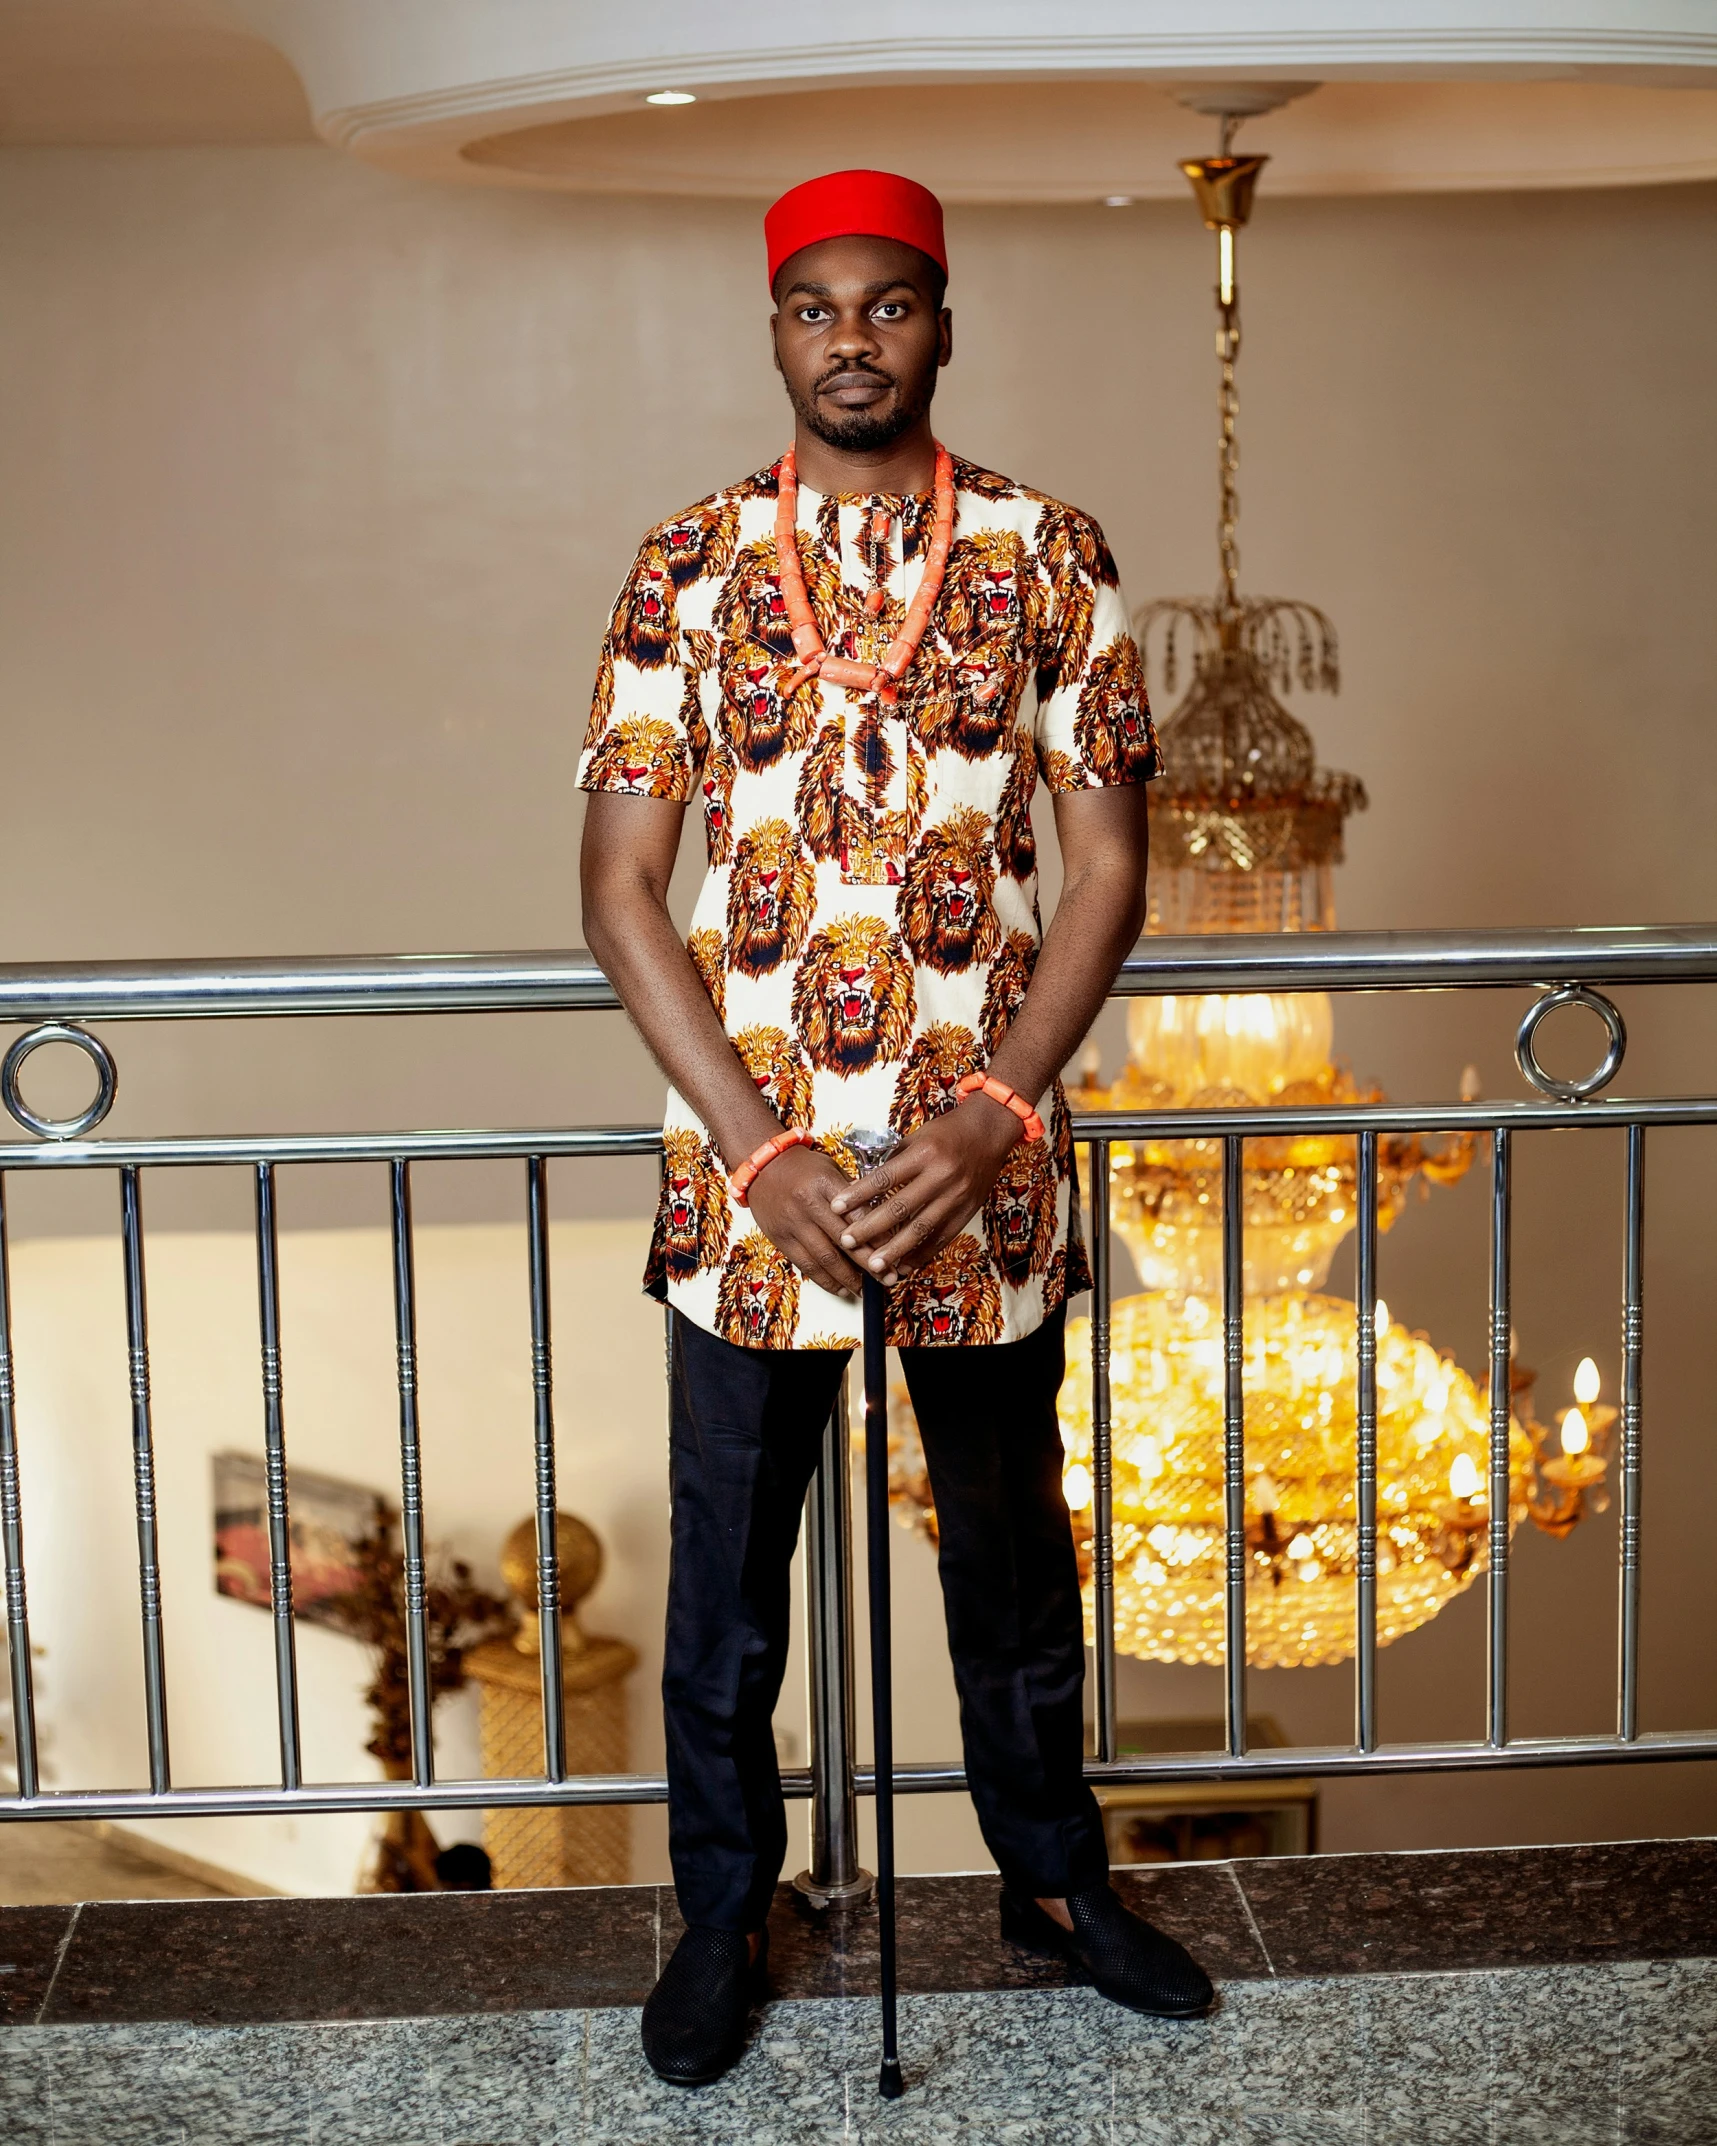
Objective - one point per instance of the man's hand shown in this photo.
(928, 1190)
(793, 1202)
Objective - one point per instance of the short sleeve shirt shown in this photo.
(869, 920)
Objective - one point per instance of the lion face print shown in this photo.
(640, 756)
(1005, 987)
(868, 923)
(645, 628)
(759, 720)
(936, 1063)
(1019, 1223)
(770, 894)
(757, 1306)
(975, 709)
(1113, 725)
(715, 794)
(946, 912)
(993, 593)
(954, 1301)
(699, 545)
(709, 957)
(695, 1214)
(780, 1069)
(853, 1000)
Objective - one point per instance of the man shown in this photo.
(859, 662)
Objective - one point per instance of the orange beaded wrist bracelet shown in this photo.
(742, 1180)
(998, 1091)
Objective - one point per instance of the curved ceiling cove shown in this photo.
(1001, 103)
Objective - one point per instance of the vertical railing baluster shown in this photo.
(274, 1444)
(12, 1542)
(1501, 1407)
(411, 1481)
(1365, 1454)
(143, 1471)
(1633, 1316)
(835, 1877)
(1234, 1438)
(548, 1548)
(1102, 1455)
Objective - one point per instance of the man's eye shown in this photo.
(812, 313)
(891, 309)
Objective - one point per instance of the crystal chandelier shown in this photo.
(1245, 830)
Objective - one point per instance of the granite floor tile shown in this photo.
(31, 1939)
(1667, 2035)
(1290, 2045)
(1016, 2052)
(25, 2094)
(1492, 1907)
(1166, 2124)
(509, 2079)
(1426, 2053)
(789, 2090)
(372, 2083)
(390, 1956)
(1554, 2034)
(1669, 2127)
(1181, 2063)
(1556, 2122)
(1301, 2127)
(1403, 2119)
(165, 2086)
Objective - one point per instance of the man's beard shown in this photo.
(864, 431)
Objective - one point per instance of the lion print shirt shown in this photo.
(869, 920)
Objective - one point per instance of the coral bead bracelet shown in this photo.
(998, 1091)
(742, 1180)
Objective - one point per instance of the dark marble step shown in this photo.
(234, 1962)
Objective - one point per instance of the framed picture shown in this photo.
(328, 1519)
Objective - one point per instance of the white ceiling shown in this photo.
(987, 100)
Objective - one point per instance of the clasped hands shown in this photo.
(895, 1217)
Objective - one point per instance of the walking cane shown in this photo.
(869, 1150)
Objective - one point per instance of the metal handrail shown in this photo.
(52, 1001)
(571, 980)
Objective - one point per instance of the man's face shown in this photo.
(860, 334)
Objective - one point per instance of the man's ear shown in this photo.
(945, 330)
(774, 346)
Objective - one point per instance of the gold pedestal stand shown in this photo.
(568, 1844)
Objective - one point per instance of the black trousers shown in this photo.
(745, 1431)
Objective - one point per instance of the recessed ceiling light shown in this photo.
(670, 96)
(1117, 201)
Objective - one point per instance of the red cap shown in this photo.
(847, 204)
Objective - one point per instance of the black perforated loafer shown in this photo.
(1122, 1956)
(695, 2017)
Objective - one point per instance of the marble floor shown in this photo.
(1563, 2055)
(46, 1862)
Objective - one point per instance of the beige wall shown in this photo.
(315, 487)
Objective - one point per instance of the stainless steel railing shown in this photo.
(1566, 966)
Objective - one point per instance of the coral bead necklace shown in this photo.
(881, 678)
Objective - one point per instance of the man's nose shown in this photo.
(854, 337)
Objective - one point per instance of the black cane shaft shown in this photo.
(881, 1660)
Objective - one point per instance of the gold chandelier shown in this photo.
(1245, 830)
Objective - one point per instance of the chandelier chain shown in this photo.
(1228, 459)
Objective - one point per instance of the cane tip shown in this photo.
(890, 2085)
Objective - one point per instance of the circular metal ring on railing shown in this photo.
(1570, 1091)
(106, 1073)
